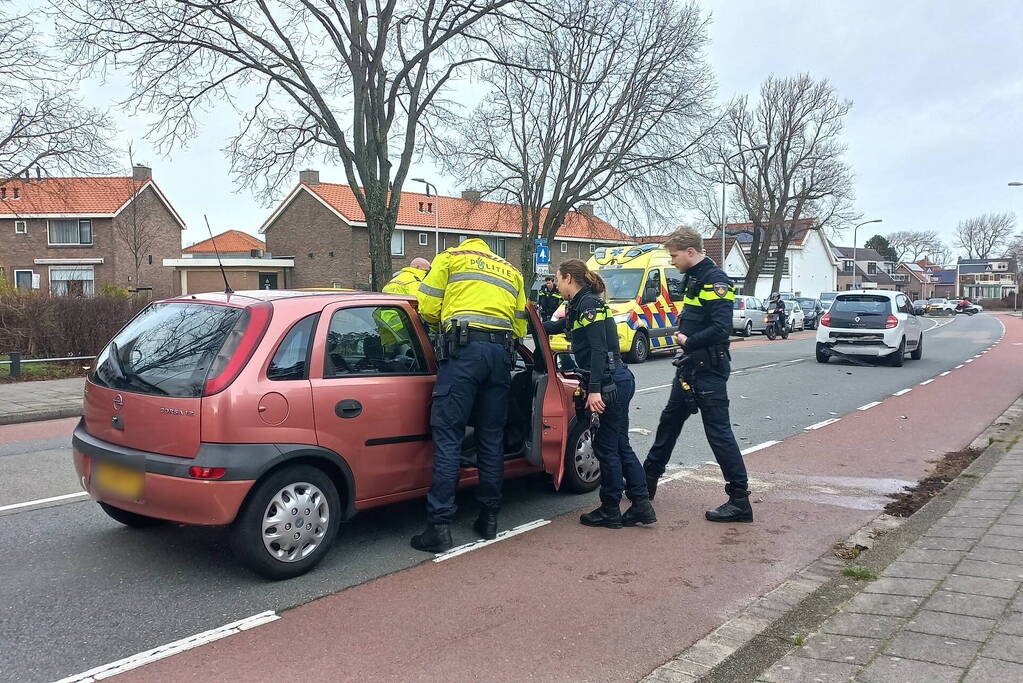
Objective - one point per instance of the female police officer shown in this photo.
(591, 329)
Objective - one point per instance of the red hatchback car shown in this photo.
(283, 413)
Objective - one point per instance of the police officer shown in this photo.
(549, 298)
(477, 299)
(703, 332)
(591, 329)
(406, 281)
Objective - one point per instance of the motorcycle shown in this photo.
(774, 326)
(968, 310)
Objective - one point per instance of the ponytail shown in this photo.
(583, 275)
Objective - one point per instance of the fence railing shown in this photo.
(17, 361)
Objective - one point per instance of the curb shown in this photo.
(40, 415)
(756, 620)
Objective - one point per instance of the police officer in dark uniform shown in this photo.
(591, 329)
(549, 298)
(704, 328)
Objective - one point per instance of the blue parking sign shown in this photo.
(543, 254)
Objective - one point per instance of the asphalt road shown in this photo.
(79, 590)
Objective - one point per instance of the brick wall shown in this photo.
(152, 216)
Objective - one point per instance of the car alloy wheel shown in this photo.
(295, 522)
(587, 468)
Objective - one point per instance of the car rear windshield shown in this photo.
(167, 349)
(622, 284)
(805, 304)
(861, 304)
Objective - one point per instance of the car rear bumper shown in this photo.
(860, 342)
(167, 490)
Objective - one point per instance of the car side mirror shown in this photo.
(650, 294)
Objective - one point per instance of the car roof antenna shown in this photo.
(227, 287)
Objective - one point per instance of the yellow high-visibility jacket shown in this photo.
(470, 282)
(405, 282)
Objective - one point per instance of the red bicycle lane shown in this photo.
(564, 602)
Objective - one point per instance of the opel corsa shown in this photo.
(284, 413)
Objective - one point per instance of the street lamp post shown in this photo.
(724, 169)
(1015, 294)
(855, 242)
(436, 213)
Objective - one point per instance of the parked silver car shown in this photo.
(748, 315)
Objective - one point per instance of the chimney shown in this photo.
(473, 196)
(309, 177)
(140, 173)
(585, 209)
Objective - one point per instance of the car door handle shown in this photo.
(348, 408)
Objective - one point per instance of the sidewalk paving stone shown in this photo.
(967, 605)
(916, 570)
(1004, 647)
(895, 669)
(1004, 542)
(844, 649)
(915, 587)
(974, 585)
(933, 556)
(936, 649)
(868, 625)
(888, 605)
(989, 570)
(792, 669)
(951, 625)
(993, 671)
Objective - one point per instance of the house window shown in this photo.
(72, 280)
(23, 279)
(71, 231)
(593, 248)
(397, 243)
(871, 268)
(498, 245)
(564, 247)
(20, 227)
(424, 239)
(847, 266)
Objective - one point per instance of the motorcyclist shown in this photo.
(777, 307)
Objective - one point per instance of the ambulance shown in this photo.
(644, 293)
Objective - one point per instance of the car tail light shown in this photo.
(826, 320)
(890, 322)
(238, 347)
(197, 472)
(742, 304)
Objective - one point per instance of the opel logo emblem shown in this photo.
(118, 402)
(857, 318)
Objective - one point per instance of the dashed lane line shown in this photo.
(902, 393)
(869, 405)
(759, 447)
(823, 423)
(958, 366)
(142, 658)
(926, 382)
(43, 501)
(504, 535)
(659, 386)
(947, 372)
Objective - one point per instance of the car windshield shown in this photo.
(167, 349)
(936, 301)
(919, 302)
(861, 304)
(828, 296)
(622, 283)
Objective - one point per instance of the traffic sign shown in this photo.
(543, 269)
(543, 254)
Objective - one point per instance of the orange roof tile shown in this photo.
(227, 241)
(68, 195)
(457, 214)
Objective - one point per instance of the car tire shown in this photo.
(640, 350)
(292, 483)
(748, 330)
(918, 352)
(897, 358)
(822, 355)
(132, 519)
(582, 471)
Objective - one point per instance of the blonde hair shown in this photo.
(682, 239)
(580, 273)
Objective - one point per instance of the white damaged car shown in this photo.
(877, 323)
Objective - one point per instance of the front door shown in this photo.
(268, 280)
(371, 396)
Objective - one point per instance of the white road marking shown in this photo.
(902, 393)
(958, 366)
(659, 386)
(968, 360)
(926, 382)
(640, 430)
(475, 545)
(142, 658)
(824, 423)
(947, 372)
(769, 365)
(754, 449)
(798, 360)
(869, 405)
(41, 501)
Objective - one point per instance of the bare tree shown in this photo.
(351, 80)
(43, 124)
(611, 107)
(798, 174)
(939, 253)
(134, 228)
(1014, 249)
(912, 245)
(984, 235)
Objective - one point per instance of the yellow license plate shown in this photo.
(123, 482)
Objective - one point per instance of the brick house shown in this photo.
(323, 228)
(988, 278)
(870, 270)
(915, 281)
(245, 260)
(60, 235)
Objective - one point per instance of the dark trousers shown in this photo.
(711, 385)
(620, 469)
(476, 383)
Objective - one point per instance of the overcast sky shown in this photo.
(933, 136)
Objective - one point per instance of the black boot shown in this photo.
(737, 509)
(436, 538)
(651, 480)
(486, 524)
(640, 512)
(607, 515)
